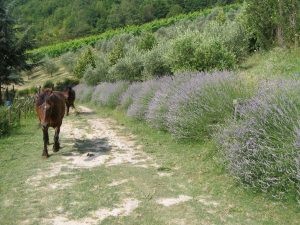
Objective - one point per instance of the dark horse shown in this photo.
(50, 108)
(69, 94)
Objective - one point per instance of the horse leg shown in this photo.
(56, 142)
(46, 141)
(68, 108)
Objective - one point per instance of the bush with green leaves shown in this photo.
(130, 67)
(146, 41)
(116, 53)
(155, 64)
(49, 66)
(202, 103)
(67, 82)
(262, 147)
(4, 122)
(48, 84)
(108, 94)
(68, 60)
(93, 76)
(86, 59)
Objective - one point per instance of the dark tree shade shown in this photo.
(12, 50)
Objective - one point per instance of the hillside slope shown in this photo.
(76, 18)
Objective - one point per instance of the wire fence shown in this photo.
(11, 115)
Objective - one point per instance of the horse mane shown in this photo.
(41, 97)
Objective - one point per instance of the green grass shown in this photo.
(275, 63)
(196, 170)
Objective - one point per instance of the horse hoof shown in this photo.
(45, 156)
(56, 148)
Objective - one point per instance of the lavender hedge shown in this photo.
(126, 98)
(108, 94)
(142, 98)
(262, 148)
(202, 103)
(158, 108)
(83, 92)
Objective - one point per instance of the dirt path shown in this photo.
(89, 143)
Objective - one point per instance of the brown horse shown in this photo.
(50, 108)
(69, 94)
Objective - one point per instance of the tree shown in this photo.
(12, 50)
(272, 21)
(49, 66)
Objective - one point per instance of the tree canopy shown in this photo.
(12, 50)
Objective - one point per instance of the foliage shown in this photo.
(262, 146)
(128, 68)
(49, 66)
(272, 21)
(63, 47)
(116, 53)
(83, 92)
(93, 76)
(155, 64)
(126, 99)
(74, 18)
(141, 99)
(108, 94)
(146, 41)
(202, 103)
(68, 60)
(86, 59)
(67, 82)
(48, 84)
(12, 50)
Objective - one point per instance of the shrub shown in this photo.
(48, 84)
(67, 82)
(142, 98)
(93, 76)
(212, 55)
(126, 98)
(116, 53)
(49, 66)
(202, 103)
(86, 59)
(4, 123)
(108, 94)
(83, 92)
(68, 60)
(128, 68)
(262, 147)
(146, 41)
(155, 64)
(158, 108)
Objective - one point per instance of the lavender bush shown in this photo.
(262, 147)
(203, 102)
(108, 94)
(158, 108)
(83, 92)
(141, 99)
(126, 98)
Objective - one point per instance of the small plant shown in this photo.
(48, 84)
(126, 99)
(83, 92)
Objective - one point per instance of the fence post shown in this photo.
(235, 105)
(9, 115)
